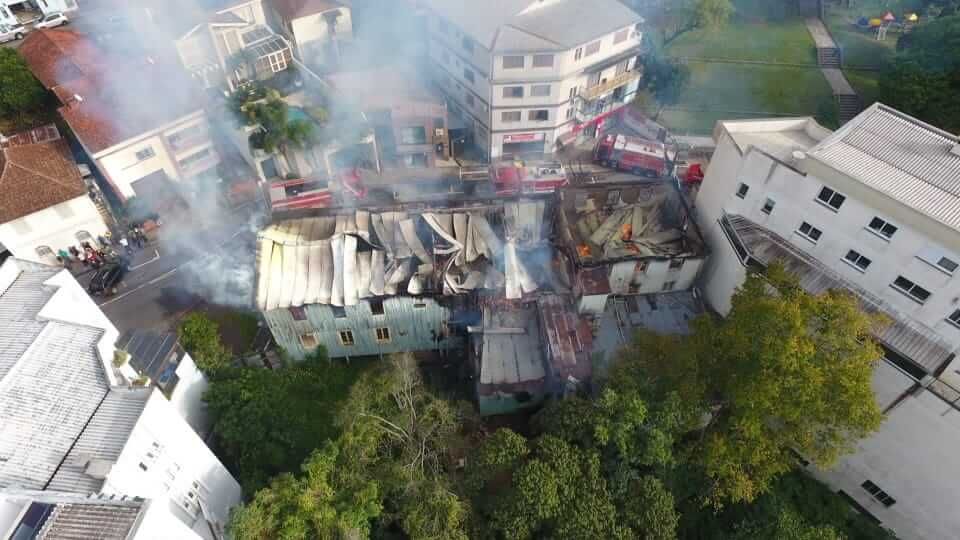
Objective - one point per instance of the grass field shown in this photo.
(784, 41)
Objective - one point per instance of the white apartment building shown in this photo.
(873, 208)
(75, 419)
(46, 206)
(528, 73)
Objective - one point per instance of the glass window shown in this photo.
(911, 289)
(569, 113)
(675, 264)
(468, 99)
(592, 48)
(742, 190)
(44, 251)
(383, 335)
(831, 198)
(346, 338)
(882, 227)
(513, 62)
(621, 36)
(513, 91)
(542, 60)
(467, 44)
(339, 312)
(947, 264)
(955, 317)
(668, 286)
(768, 206)
(539, 115)
(413, 135)
(540, 90)
(309, 341)
(145, 153)
(299, 313)
(376, 307)
(857, 260)
(510, 116)
(809, 232)
(578, 54)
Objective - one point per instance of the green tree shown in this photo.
(20, 92)
(267, 422)
(785, 371)
(277, 130)
(663, 77)
(200, 336)
(684, 16)
(924, 78)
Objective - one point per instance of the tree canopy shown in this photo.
(200, 336)
(20, 92)
(924, 78)
(785, 371)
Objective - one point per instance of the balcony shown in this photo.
(181, 144)
(609, 85)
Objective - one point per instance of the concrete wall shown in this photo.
(629, 277)
(55, 227)
(181, 464)
(311, 35)
(414, 324)
(187, 397)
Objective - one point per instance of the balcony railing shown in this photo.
(599, 90)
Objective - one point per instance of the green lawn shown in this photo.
(727, 91)
(784, 41)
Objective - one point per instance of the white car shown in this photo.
(10, 33)
(52, 20)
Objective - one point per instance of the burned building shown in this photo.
(364, 282)
(627, 239)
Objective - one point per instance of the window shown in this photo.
(954, 317)
(540, 90)
(882, 228)
(299, 313)
(831, 198)
(468, 74)
(278, 62)
(857, 260)
(768, 206)
(383, 335)
(513, 91)
(675, 264)
(539, 115)
(467, 44)
(592, 48)
(742, 190)
(468, 99)
(809, 232)
(419, 305)
(880, 495)
(513, 62)
(414, 160)
(569, 113)
(573, 92)
(911, 289)
(578, 54)
(143, 466)
(376, 307)
(542, 60)
(338, 312)
(510, 116)
(668, 286)
(146, 153)
(44, 251)
(309, 341)
(193, 159)
(413, 135)
(346, 338)
(64, 210)
(621, 36)
(947, 264)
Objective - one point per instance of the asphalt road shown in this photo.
(172, 275)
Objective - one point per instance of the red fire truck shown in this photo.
(512, 179)
(639, 156)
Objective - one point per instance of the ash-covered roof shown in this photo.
(519, 25)
(905, 335)
(511, 353)
(616, 222)
(907, 160)
(340, 259)
(34, 177)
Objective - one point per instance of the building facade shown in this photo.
(870, 208)
(316, 28)
(530, 74)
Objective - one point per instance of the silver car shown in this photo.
(11, 33)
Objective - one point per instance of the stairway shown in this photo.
(829, 57)
(103, 208)
(849, 106)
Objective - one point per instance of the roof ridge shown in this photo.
(529, 33)
(54, 148)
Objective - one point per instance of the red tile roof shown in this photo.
(294, 9)
(37, 176)
(59, 55)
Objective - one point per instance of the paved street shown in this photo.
(171, 275)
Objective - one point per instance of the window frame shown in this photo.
(147, 151)
(620, 36)
(807, 234)
(299, 313)
(382, 334)
(533, 115)
(768, 206)
(312, 336)
(514, 94)
(578, 54)
(541, 56)
(533, 90)
(506, 120)
(468, 75)
(675, 265)
(594, 45)
(742, 190)
(513, 57)
(856, 260)
(830, 199)
(668, 286)
(910, 289)
(878, 494)
(415, 130)
(954, 318)
(376, 307)
(346, 337)
(879, 230)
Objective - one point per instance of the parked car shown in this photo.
(11, 33)
(106, 279)
(52, 20)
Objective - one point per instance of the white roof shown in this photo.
(900, 156)
(779, 137)
(509, 25)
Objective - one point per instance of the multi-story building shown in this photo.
(140, 121)
(47, 206)
(75, 417)
(316, 28)
(530, 72)
(872, 209)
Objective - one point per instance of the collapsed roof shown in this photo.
(340, 259)
(618, 222)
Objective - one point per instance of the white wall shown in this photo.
(180, 459)
(187, 397)
(158, 522)
(55, 227)
(311, 34)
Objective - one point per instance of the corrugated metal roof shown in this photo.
(900, 156)
(19, 306)
(904, 335)
(91, 521)
(512, 351)
(45, 400)
(103, 438)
